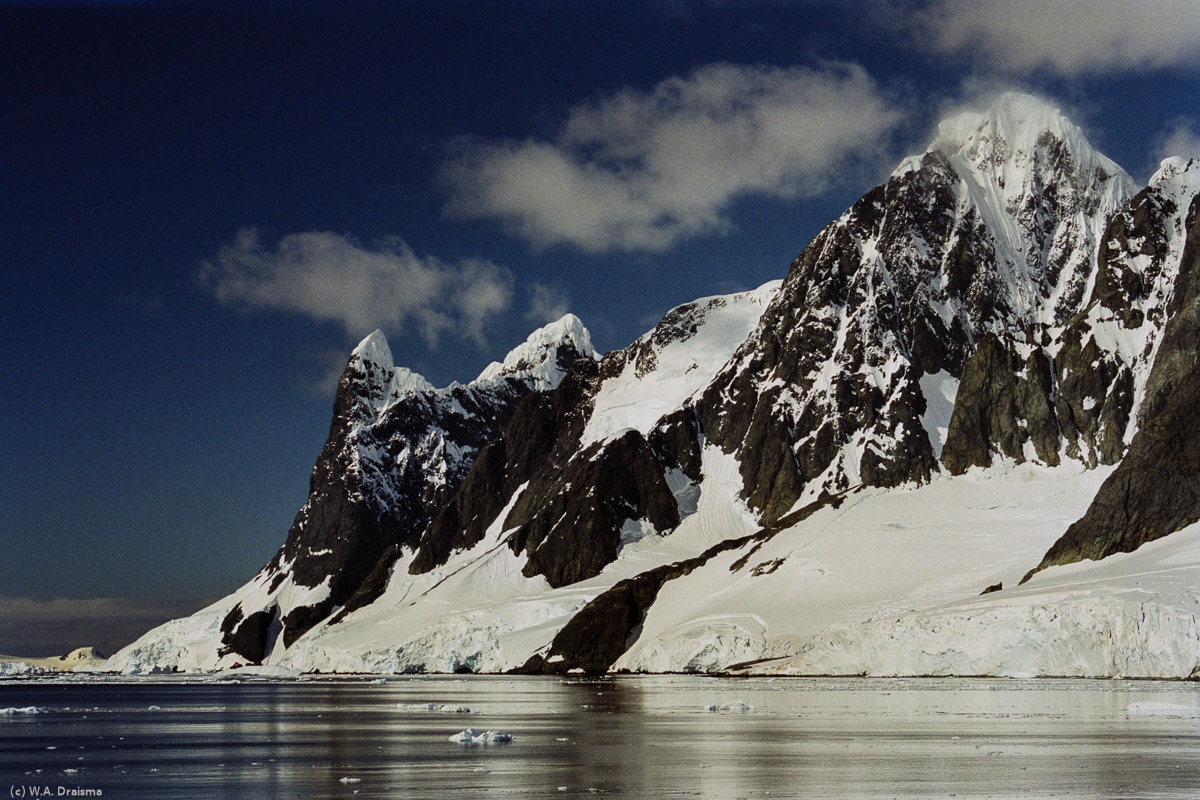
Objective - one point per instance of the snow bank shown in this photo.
(1132, 615)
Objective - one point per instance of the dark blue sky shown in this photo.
(160, 419)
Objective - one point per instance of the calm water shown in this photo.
(629, 737)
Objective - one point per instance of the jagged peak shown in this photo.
(374, 349)
(405, 381)
(538, 354)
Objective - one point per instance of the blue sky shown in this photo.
(205, 205)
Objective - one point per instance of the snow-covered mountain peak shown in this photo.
(1177, 173)
(1011, 119)
(1022, 144)
(405, 381)
(1041, 190)
(374, 349)
(538, 357)
(366, 383)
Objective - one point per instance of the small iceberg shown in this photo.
(733, 707)
(473, 736)
(13, 711)
(441, 708)
(350, 780)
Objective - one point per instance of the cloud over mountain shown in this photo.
(639, 170)
(330, 277)
(1179, 139)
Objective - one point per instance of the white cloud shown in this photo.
(1179, 139)
(1068, 37)
(546, 304)
(330, 277)
(641, 170)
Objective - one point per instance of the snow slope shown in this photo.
(674, 361)
(889, 583)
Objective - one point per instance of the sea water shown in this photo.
(639, 737)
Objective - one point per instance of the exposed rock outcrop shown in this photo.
(1155, 490)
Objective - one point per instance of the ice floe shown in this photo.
(732, 707)
(473, 736)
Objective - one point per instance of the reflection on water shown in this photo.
(642, 737)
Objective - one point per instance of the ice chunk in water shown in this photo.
(473, 736)
(734, 707)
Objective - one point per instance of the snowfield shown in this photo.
(1131, 615)
(887, 584)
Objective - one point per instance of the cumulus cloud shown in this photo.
(1067, 37)
(40, 628)
(330, 277)
(1179, 139)
(640, 170)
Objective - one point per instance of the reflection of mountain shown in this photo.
(818, 475)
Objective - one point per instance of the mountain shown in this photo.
(980, 375)
(397, 450)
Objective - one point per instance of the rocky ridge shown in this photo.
(397, 451)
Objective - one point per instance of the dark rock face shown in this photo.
(1139, 229)
(1093, 399)
(1177, 354)
(541, 438)
(249, 637)
(569, 516)
(372, 586)
(570, 533)
(837, 359)
(1155, 490)
(1002, 404)
(393, 458)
